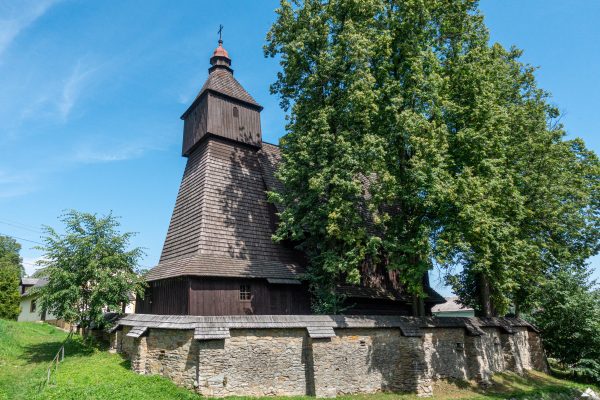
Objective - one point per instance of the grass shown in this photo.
(90, 372)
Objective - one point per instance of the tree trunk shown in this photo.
(415, 306)
(484, 296)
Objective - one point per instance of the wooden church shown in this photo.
(218, 257)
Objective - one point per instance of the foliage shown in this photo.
(89, 268)
(569, 317)
(587, 370)
(413, 142)
(10, 274)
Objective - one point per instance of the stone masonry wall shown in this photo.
(256, 362)
(260, 362)
(172, 353)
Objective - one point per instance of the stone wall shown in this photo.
(256, 363)
(287, 361)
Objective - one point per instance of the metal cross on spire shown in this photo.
(220, 31)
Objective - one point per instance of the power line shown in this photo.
(12, 221)
(19, 227)
(19, 238)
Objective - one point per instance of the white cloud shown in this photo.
(56, 99)
(15, 184)
(91, 156)
(106, 150)
(16, 16)
(72, 88)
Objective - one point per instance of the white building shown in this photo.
(29, 307)
(30, 310)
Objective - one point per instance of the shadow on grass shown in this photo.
(74, 347)
(523, 385)
(504, 385)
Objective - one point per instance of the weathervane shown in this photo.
(220, 31)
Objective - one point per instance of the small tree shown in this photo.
(10, 272)
(569, 317)
(89, 268)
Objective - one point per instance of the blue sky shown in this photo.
(91, 94)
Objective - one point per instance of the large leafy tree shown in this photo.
(10, 273)
(524, 200)
(331, 146)
(412, 141)
(90, 268)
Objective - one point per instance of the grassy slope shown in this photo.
(26, 350)
(92, 373)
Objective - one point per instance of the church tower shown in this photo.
(218, 257)
(222, 108)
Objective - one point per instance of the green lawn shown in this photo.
(90, 372)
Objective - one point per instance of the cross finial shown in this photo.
(220, 32)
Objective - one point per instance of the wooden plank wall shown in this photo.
(165, 297)
(244, 128)
(214, 296)
(194, 126)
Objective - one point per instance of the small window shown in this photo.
(245, 293)
(33, 306)
(236, 112)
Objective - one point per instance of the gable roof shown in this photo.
(452, 304)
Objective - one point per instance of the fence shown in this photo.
(52, 370)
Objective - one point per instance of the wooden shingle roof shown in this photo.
(317, 326)
(223, 82)
(222, 223)
(221, 266)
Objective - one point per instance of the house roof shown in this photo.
(29, 281)
(32, 283)
(451, 305)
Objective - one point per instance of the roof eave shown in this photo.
(256, 106)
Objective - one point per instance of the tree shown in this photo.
(90, 268)
(569, 317)
(413, 142)
(330, 147)
(10, 274)
(526, 200)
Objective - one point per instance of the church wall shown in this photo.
(165, 297)
(237, 220)
(214, 296)
(286, 361)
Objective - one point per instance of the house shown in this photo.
(29, 307)
(452, 308)
(218, 257)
